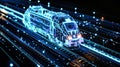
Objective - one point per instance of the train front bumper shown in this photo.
(74, 42)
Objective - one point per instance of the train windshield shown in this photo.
(71, 26)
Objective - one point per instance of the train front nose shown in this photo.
(74, 40)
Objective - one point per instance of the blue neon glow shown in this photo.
(70, 26)
(11, 65)
(102, 53)
(10, 11)
(49, 15)
(53, 25)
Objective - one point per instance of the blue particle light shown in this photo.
(94, 12)
(38, 65)
(47, 23)
(12, 12)
(11, 65)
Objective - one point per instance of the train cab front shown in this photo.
(73, 37)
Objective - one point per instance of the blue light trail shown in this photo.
(9, 10)
(102, 53)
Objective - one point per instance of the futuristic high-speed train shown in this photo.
(58, 27)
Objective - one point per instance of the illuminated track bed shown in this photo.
(23, 38)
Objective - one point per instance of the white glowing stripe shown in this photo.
(10, 13)
(5, 7)
(102, 53)
(15, 16)
(4, 11)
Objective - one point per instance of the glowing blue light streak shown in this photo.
(11, 12)
(5, 7)
(101, 45)
(15, 16)
(89, 47)
(102, 53)
(21, 50)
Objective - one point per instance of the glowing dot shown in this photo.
(93, 16)
(15, 19)
(61, 8)
(38, 65)
(48, 4)
(80, 15)
(38, 1)
(23, 7)
(102, 18)
(46, 42)
(73, 35)
(23, 31)
(97, 19)
(75, 12)
(56, 66)
(117, 32)
(75, 8)
(93, 12)
(43, 51)
(51, 62)
(95, 34)
(55, 47)
(90, 37)
(17, 30)
(11, 64)
(83, 15)
(111, 39)
(84, 21)
(38, 40)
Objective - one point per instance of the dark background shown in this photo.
(110, 9)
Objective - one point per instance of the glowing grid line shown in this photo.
(102, 53)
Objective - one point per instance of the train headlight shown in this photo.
(79, 36)
(69, 37)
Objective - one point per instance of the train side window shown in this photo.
(41, 23)
(61, 20)
(46, 22)
(45, 11)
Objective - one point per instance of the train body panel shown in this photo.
(57, 26)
